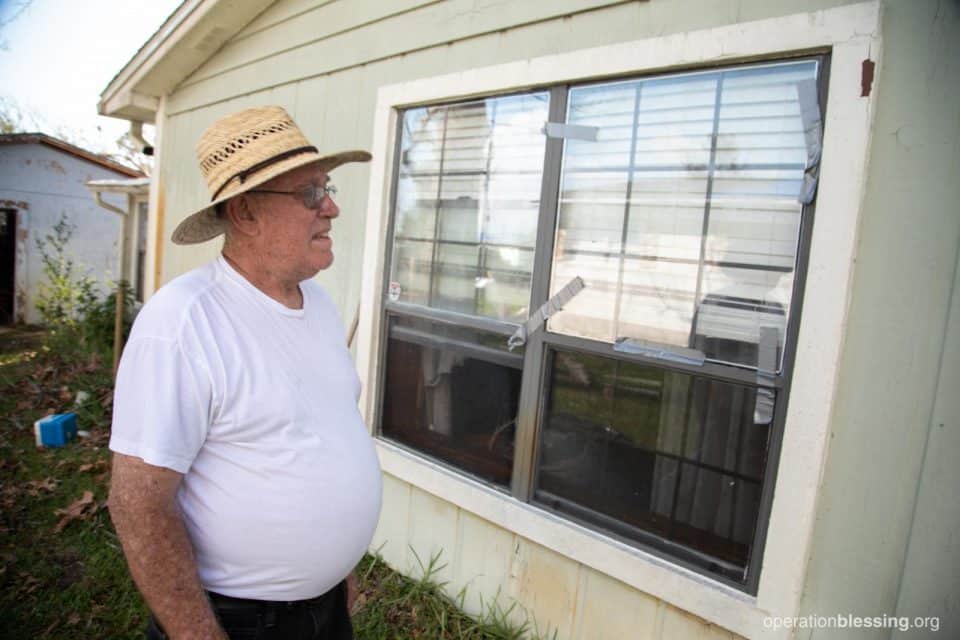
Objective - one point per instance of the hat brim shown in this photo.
(204, 224)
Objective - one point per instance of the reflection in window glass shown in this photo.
(452, 393)
(468, 197)
(683, 216)
(644, 452)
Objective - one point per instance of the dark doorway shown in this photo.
(8, 244)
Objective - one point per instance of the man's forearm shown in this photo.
(161, 560)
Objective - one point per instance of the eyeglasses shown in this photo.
(312, 195)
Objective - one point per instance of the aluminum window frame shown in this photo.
(541, 344)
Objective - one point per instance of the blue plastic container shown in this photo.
(56, 430)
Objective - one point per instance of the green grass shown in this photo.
(395, 606)
(66, 578)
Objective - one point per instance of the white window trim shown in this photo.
(852, 35)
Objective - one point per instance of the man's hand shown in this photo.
(155, 542)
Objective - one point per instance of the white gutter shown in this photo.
(187, 39)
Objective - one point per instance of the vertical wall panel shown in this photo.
(484, 553)
(930, 585)
(636, 612)
(545, 584)
(433, 535)
(391, 537)
(677, 624)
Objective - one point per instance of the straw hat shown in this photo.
(242, 151)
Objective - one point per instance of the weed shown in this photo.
(80, 320)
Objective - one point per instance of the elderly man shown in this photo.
(245, 484)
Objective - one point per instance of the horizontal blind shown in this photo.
(468, 197)
(682, 217)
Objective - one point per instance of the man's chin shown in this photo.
(321, 264)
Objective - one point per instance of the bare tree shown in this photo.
(130, 153)
(13, 119)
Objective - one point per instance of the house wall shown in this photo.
(325, 63)
(52, 183)
(885, 540)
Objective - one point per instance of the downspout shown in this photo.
(118, 316)
(136, 132)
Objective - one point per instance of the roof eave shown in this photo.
(72, 149)
(187, 39)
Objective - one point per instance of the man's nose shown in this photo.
(328, 208)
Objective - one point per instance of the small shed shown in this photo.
(743, 426)
(43, 181)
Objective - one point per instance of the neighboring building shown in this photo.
(745, 417)
(43, 180)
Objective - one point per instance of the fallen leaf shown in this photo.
(74, 619)
(35, 487)
(29, 584)
(76, 511)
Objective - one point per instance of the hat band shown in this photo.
(242, 175)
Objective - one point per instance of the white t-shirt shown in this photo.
(257, 405)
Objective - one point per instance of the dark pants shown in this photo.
(322, 618)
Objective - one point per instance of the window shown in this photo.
(651, 407)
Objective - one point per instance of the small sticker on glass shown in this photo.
(393, 291)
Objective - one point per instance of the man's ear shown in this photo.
(241, 217)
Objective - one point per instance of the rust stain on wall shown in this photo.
(866, 77)
(158, 257)
(16, 204)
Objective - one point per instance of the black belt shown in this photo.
(230, 603)
(270, 613)
(267, 614)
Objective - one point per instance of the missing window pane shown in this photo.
(453, 393)
(655, 456)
